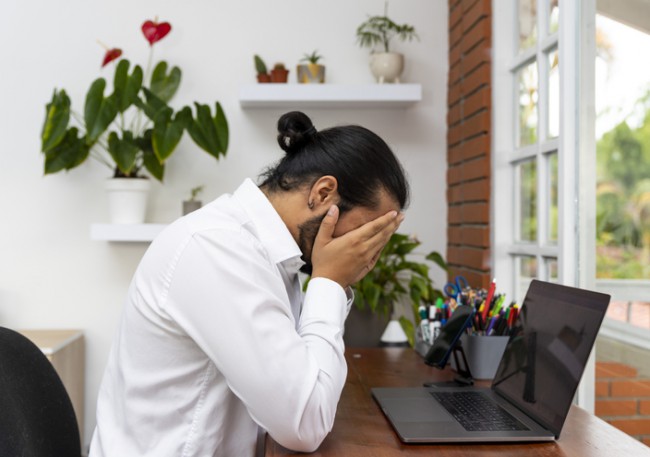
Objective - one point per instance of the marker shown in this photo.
(488, 299)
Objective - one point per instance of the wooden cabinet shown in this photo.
(66, 350)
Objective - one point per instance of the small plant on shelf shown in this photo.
(193, 203)
(311, 71)
(313, 58)
(279, 73)
(381, 30)
(263, 75)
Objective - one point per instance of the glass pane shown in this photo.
(526, 270)
(527, 101)
(527, 180)
(527, 14)
(553, 94)
(622, 152)
(554, 16)
(636, 313)
(551, 269)
(552, 198)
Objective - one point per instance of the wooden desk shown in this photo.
(361, 430)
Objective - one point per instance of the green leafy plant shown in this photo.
(314, 57)
(133, 127)
(398, 276)
(381, 30)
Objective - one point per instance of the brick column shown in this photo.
(468, 140)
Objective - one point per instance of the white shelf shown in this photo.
(270, 95)
(125, 232)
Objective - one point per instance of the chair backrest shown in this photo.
(36, 415)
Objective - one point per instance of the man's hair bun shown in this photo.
(294, 131)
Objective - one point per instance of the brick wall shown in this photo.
(623, 399)
(468, 140)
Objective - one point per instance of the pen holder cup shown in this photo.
(483, 354)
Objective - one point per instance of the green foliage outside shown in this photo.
(623, 200)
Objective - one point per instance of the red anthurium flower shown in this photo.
(155, 31)
(111, 55)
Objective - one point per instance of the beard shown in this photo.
(307, 232)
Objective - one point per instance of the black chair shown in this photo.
(36, 415)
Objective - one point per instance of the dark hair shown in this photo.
(361, 162)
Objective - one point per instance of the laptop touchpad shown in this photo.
(415, 409)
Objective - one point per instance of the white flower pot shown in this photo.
(387, 67)
(127, 200)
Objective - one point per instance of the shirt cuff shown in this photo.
(325, 300)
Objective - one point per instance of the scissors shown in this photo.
(455, 288)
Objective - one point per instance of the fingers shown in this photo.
(327, 226)
(380, 230)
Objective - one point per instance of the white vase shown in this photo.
(387, 67)
(127, 200)
(394, 335)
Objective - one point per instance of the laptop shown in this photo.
(534, 385)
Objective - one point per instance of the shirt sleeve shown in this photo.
(231, 300)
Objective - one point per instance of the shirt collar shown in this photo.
(269, 226)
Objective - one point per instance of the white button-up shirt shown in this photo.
(214, 341)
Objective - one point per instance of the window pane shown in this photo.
(527, 101)
(552, 198)
(527, 180)
(553, 94)
(551, 269)
(635, 313)
(554, 16)
(623, 152)
(526, 271)
(527, 10)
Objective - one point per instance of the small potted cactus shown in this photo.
(263, 75)
(279, 73)
(311, 71)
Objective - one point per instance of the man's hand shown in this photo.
(348, 258)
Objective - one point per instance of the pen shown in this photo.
(493, 321)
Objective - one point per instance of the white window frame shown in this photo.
(575, 250)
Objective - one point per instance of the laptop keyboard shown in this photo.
(477, 413)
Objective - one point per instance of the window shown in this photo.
(526, 171)
(543, 148)
(623, 175)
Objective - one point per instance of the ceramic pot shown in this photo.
(279, 75)
(387, 67)
(363, 328)
(311, 73)
(263, 78)
(190, 205)
(127, 200)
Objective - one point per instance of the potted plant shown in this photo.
(311, 71)
(279, 73)
(193, 204)
(263, 75)
(398, 275)
(131, 130)
(379, 31)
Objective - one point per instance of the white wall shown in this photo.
(51, 274)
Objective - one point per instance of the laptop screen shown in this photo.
(548, 350)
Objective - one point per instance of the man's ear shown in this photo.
(324, 193)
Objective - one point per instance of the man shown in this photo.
(217, 339)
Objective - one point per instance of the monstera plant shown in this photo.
(132, 128)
